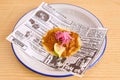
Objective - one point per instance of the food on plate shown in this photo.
(61, 42)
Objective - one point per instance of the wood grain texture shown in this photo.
(108, 11)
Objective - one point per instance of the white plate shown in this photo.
(75, 13)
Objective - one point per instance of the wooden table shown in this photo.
(108, 11)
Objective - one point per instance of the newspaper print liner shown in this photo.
(45, 18)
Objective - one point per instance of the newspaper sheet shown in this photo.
(29, 34)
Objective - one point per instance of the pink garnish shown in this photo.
(64, 37)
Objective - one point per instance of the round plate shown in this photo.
(74, 13)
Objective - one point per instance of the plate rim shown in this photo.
(59, 76)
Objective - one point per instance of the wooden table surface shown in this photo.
(108, 11)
